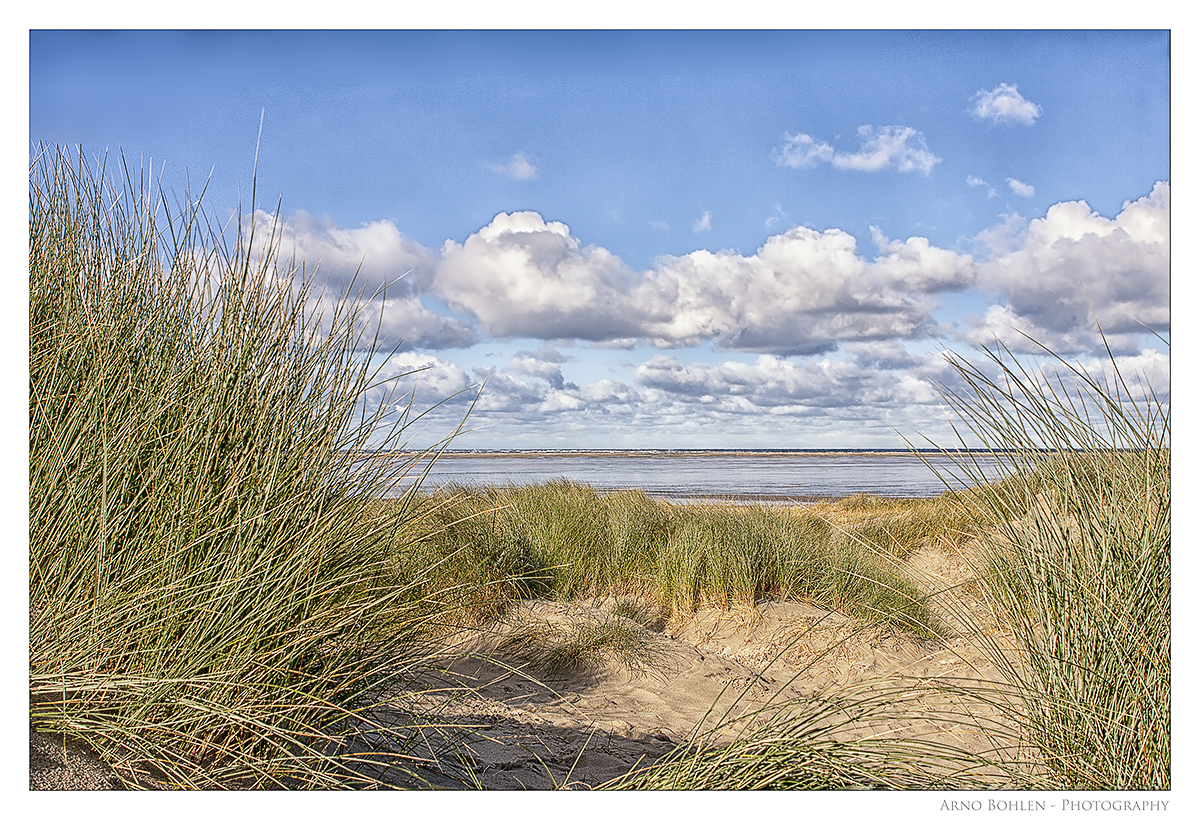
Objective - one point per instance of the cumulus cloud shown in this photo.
(524, 277)
(668, 397)
(804, 291)
(704, 223)
(1147, 373)
(422, 380)
(763, 401)
(778, 386)
(373, 255)
(881, 355)
(375, 266)
(519, 167)
(406, 322)
(847, 316)
(917, 266)
(1005, 104)
(1020, 188)
(1005, 236)
(544, 364)
(888, 146)
(1075, 267)
(769, 380)
(802, 151)
(1005, 325)
(530, 385)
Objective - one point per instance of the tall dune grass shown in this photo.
(1079, 565)
(569, 541)
(209, 599)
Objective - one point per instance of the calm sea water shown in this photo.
(682, 476)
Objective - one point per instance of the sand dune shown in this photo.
(584, 725)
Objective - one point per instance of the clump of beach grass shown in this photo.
(1078, 565)
(211, 603)
(569, 541)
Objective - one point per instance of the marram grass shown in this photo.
(1079, 565)
(209, 603)
(568, 541)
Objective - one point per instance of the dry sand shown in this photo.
(533, 729)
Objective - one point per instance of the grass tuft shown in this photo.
(1078, 566)
(210, 603)
(568, 541)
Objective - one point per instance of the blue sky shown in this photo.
(675, 239)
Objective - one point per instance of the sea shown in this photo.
(701, 476)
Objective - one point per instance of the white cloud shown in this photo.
(1074, 267)
(407, 322)
(802, 151)
(704, 223)
(524, 277)
(558, 402)
(976, 182)
(803, 291)
(779, 386)
(1021, 334)
(1020, 188)
(509, 394)
(1005, 104)
(1005, 236)
(1145, 373)
(660, 226)
(519, 167)
(379, 268)
(544, 364)
(761, 401)
(529, 386)
(917, 266)
(881, 355)
(888, 146)
(424, 379)
(373, 255)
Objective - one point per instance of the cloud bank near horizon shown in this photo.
(856, 402)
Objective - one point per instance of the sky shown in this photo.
(673, 239)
